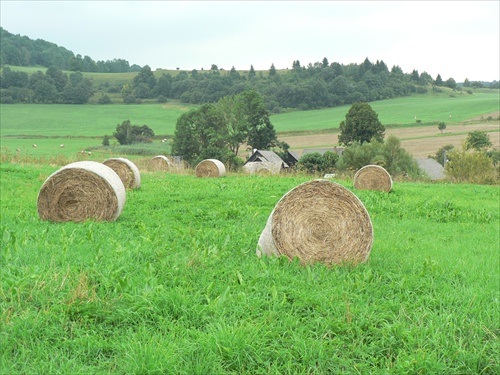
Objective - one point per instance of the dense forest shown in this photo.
(22, 51)
(312, 86)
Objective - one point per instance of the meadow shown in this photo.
(174, 285)
(65, 120)
(82, 127)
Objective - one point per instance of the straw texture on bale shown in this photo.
(126, 170)
(84, 190)
(262, 168)
(318, 221)
(160, 163)
(210, 168)
(373, 177)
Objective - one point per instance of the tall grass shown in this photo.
(174, 285)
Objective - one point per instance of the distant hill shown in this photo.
(316, 85)
(22, 51)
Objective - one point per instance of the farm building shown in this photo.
(265, 162)
(432, 168)
(291, 158)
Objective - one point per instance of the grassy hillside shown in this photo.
(430, 109)
(174, 285)
(98, 120)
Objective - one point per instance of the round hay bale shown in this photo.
(210, 168)
(373, 177)
(126, 170)
(160, 163)
(264, 172)
(318, 221)
(84, 190)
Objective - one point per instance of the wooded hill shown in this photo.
(317, 85)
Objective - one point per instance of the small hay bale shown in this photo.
(373, 177)
(210, 168)
(84, 190)
(126, 170)
(318, 221)
(160, 163)
(264, 172)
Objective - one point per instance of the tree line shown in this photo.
(312, 86)
(22, 51)
(319, 85)
(53, 86)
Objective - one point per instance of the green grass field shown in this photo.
(174, 285)
(98, 120)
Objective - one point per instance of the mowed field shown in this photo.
(420, 141)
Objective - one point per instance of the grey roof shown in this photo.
(266, 156)
(433, 169)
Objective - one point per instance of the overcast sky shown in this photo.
(458, 39)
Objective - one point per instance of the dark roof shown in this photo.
(294, 154)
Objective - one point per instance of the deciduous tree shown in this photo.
(361, 125)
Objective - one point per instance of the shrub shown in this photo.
(468, 165)
(311, 162)
(395, 159)
(126, 133)
(315, 162)
(478, 140)
(105, 141)
(129, 99)
(104, 100)
(358, 155)
(441, 126)
(441, 154)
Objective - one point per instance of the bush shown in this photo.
(105, 141)
(104, 100)
(442, 126)
(468, 165)
(315, 162)
(478, 140)
(390, 155)
(126, 133)
(358, 155)
(129, 99)
(442, 153)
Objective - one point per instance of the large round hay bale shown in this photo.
(126, 170)
(373, 177)
(84, 190)
(210, 168)
(160, 163)
(318, 221)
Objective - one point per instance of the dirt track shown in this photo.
(420, 141)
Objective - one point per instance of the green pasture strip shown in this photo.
(23, 147)
(174, 285)
(429, 109)
(85, 120)
(98, 120)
